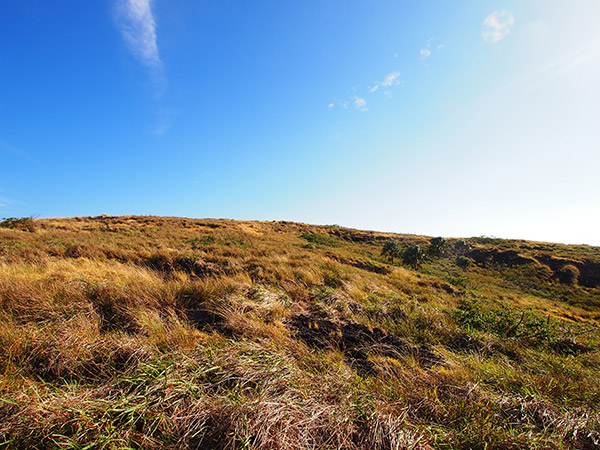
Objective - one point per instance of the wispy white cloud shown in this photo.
(391, 79)
(496, 26)
(138, 28)
(361, 104)
(330, 106)
(137, 25)
(425, 53)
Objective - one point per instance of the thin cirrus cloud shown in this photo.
(135, 21)
(497, 26)
(138, 28)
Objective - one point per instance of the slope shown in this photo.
(156, 332)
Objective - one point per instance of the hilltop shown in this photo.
(158, 332)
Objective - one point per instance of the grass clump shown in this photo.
(199, 243)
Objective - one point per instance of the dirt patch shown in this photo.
(589, 274)
(589, 271)
(357, 341)
(509, 258)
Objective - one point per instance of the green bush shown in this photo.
(463, 262)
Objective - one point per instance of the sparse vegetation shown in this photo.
(150, 332)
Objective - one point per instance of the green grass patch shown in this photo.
(319, 239)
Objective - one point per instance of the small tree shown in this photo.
(437, 246)
(413, 256)
(391, 249)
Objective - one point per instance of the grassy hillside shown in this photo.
(148, 332)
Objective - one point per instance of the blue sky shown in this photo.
(432, 117)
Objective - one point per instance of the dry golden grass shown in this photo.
(154, 332)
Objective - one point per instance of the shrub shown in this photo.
(568, 274)
(391, 249)
(463, 261)
(437, 246)
(23, 224)
(413, 256)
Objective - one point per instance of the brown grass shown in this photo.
(151, 332)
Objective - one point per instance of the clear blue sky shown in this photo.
(432, 117)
